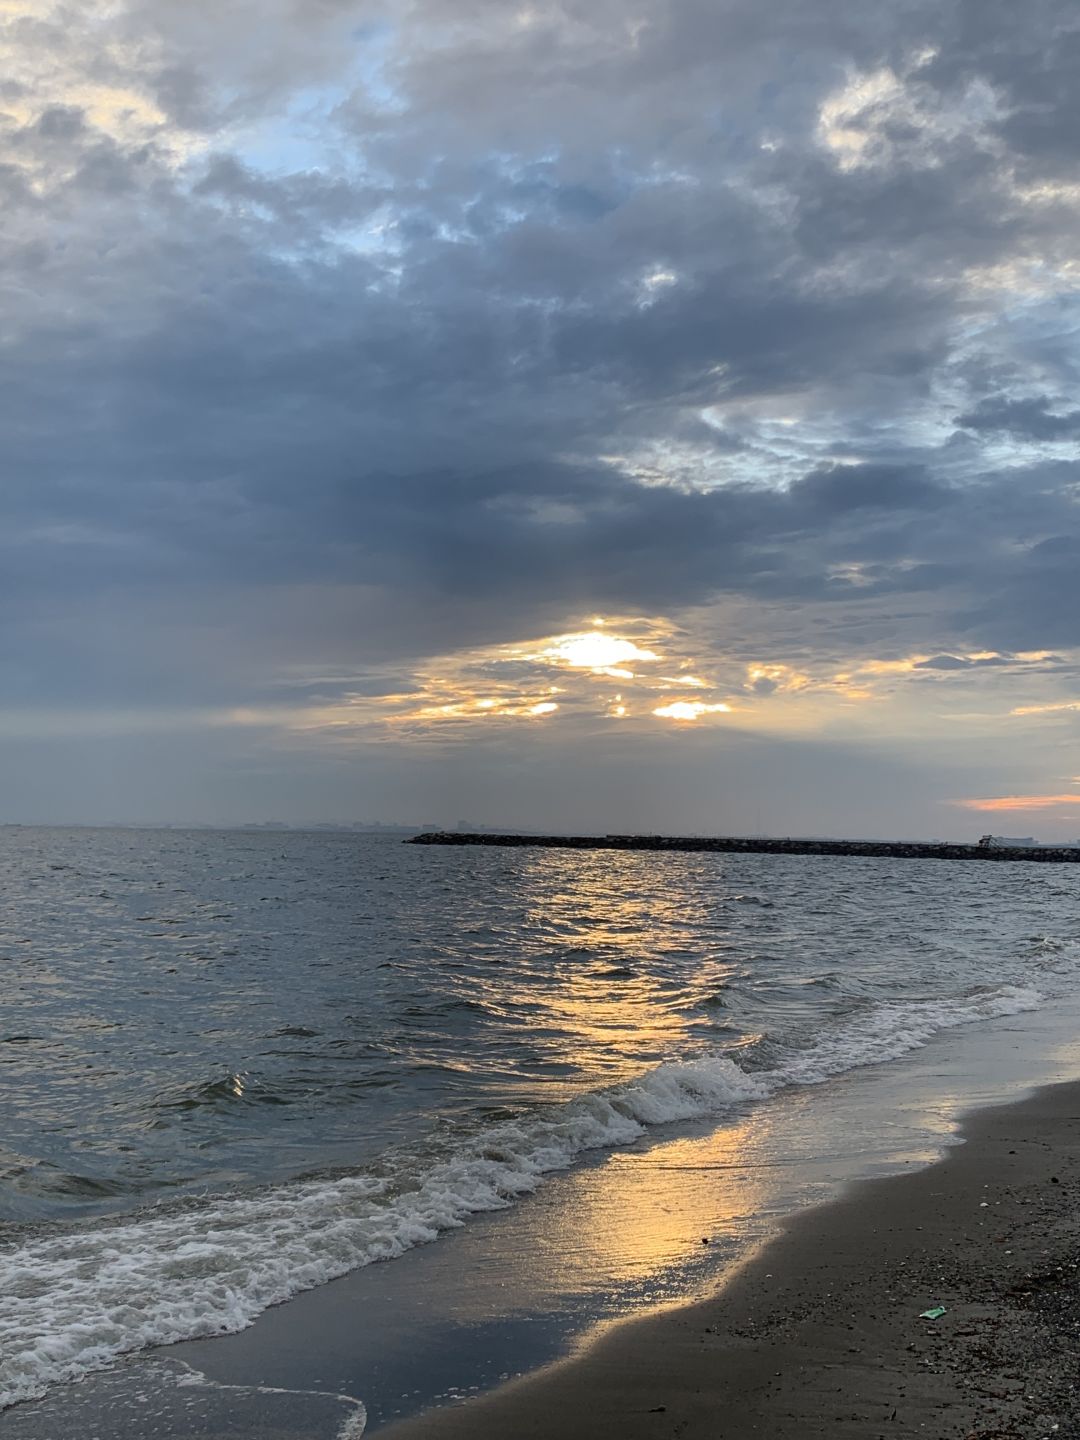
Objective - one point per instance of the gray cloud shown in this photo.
(1030, 62)
(961, 662)
(362, 336)
(1030, 419)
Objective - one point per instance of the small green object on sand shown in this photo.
(934, 1314)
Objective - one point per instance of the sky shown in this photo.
(588, 415)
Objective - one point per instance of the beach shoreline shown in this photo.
(819, 1333)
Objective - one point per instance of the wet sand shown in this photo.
(820, 1334)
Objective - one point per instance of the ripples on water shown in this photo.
(197, 1014)
(188, 1008)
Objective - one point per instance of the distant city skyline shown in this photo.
(570, 416)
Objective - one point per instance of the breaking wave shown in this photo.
(72, 1302)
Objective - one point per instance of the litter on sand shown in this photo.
(933, 1314)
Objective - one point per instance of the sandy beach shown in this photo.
(820, 1334)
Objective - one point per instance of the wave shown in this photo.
(225, 1092)
(71, 1303)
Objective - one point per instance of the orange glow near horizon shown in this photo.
(1020, 802)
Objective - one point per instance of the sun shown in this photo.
(593, 650)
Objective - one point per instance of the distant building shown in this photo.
(1011, 842)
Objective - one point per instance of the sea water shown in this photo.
(238, 1065)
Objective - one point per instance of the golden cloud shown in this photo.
(567, 674)
(641, 672)
(690, 710)
(1059, 708)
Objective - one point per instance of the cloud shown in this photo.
(1029, 418)
(1060, 707)
(689, 710)
(961, 662)
(1022, 802)
(361, 344)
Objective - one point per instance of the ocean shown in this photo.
(239, 1065)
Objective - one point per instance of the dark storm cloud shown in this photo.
(432, 303)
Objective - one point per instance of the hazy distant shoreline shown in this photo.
(731, 844)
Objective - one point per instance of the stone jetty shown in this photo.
(753, 845)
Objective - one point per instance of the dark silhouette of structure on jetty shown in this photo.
(732, 844)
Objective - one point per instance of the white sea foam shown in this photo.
(70, 1303)
(351, 1428)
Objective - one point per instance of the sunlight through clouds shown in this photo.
(690, 710)
(506, 682)
(567, 675)
(381, 381)
(565, 679)
(600, 652)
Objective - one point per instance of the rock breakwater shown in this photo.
(753, 845)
